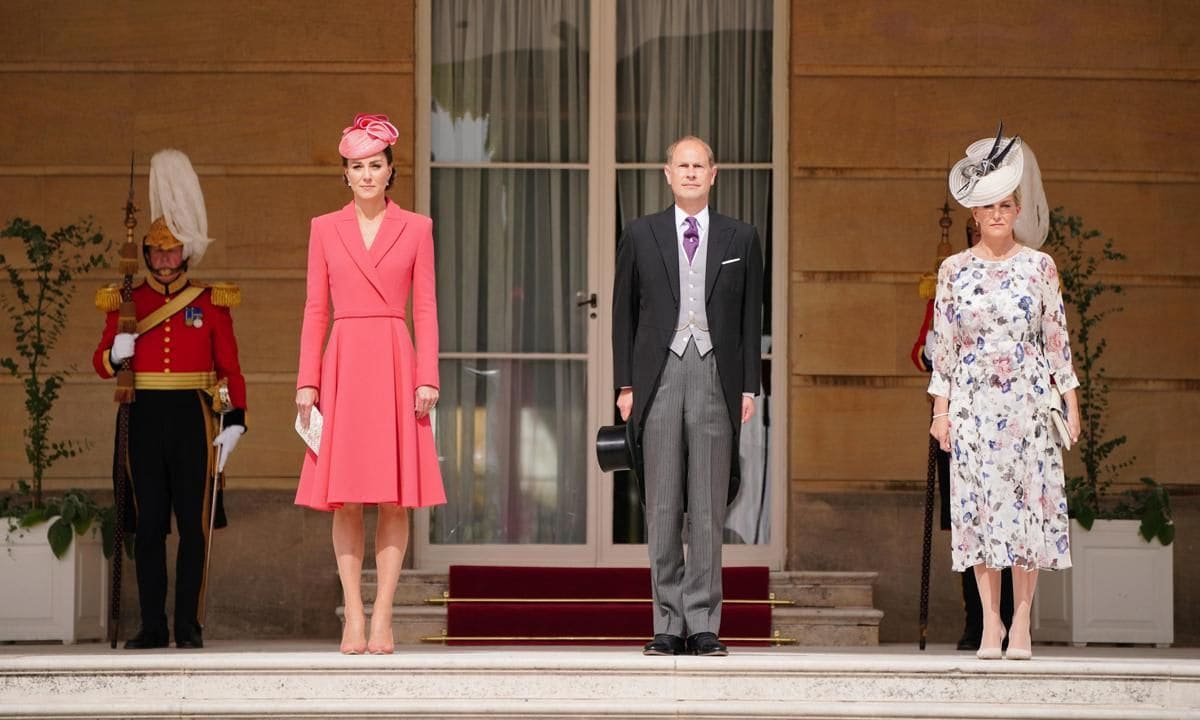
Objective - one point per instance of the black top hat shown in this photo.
(616, 449)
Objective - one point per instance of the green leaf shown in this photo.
(35, 516)
(1166, 535)
(1151, 526)
(82, 524)
(1086, 516)
(60, 537)
(70, 508)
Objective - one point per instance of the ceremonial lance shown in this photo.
(124, 395)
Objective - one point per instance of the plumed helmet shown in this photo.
(177, 206)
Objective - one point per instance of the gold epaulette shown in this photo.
(223, 294)
(108, 298)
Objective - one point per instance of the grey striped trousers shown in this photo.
(687, 444)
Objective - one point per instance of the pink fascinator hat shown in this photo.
(369, 135)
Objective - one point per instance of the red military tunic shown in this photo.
(192, 349)
(170, 454)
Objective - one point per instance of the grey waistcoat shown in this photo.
(693, 318)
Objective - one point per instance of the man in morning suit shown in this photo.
(186, 371)
(687, 322)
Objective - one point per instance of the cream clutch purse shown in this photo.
(311, 436)
(1058, 418)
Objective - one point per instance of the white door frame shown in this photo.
(602, 231)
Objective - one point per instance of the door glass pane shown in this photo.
(511, 249)
(746, 195)
(509, 80)
(511, 255)
(512, 435)
(699, 67)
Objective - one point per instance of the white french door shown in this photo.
(541, 129)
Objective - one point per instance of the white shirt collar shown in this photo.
(701, 220)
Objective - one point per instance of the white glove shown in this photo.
(226, 442)
(122, 347)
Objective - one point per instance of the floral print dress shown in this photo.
(999, 335)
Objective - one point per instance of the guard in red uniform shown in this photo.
(190, 405)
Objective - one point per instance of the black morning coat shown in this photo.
(646, 310)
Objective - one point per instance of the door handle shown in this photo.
(580, 300)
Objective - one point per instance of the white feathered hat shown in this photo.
(1033, 223)
(993, 169)
(177, 205)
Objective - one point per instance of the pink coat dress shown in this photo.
(373, 448)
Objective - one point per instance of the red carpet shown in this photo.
(594, 622)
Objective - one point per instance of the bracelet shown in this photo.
(938, 415)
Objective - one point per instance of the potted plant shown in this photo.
(1121, 586)
(39, 604)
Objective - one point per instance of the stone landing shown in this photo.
(310, 680)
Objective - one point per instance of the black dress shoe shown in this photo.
(706, 643)
(148, 640)
(970, 638)
(188, 638)
(664, 644)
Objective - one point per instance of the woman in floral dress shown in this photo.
(999, 341)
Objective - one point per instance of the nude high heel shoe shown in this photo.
(1016, 653)
(991, 653)
(383, 648)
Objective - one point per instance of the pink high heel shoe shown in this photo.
(382, 649)
(387, 648)
(349, 647)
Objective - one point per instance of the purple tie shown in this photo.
(691, 238)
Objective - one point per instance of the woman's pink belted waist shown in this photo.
(375, 312)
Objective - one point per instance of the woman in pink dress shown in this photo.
(373, 389)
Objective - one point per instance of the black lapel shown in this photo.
(662, 226)
(720, 242)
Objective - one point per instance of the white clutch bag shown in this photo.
(311, 436)
(1058, 418)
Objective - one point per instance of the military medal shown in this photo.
(193, 317)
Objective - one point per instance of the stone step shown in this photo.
(831, 608)
(297, 679)
(811, 627)
(804, 588)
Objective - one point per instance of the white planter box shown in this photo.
(1120, 590)
(46, 598)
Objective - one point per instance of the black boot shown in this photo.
(148, 639)
(188, 636)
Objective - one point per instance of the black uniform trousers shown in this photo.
(168, 459)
